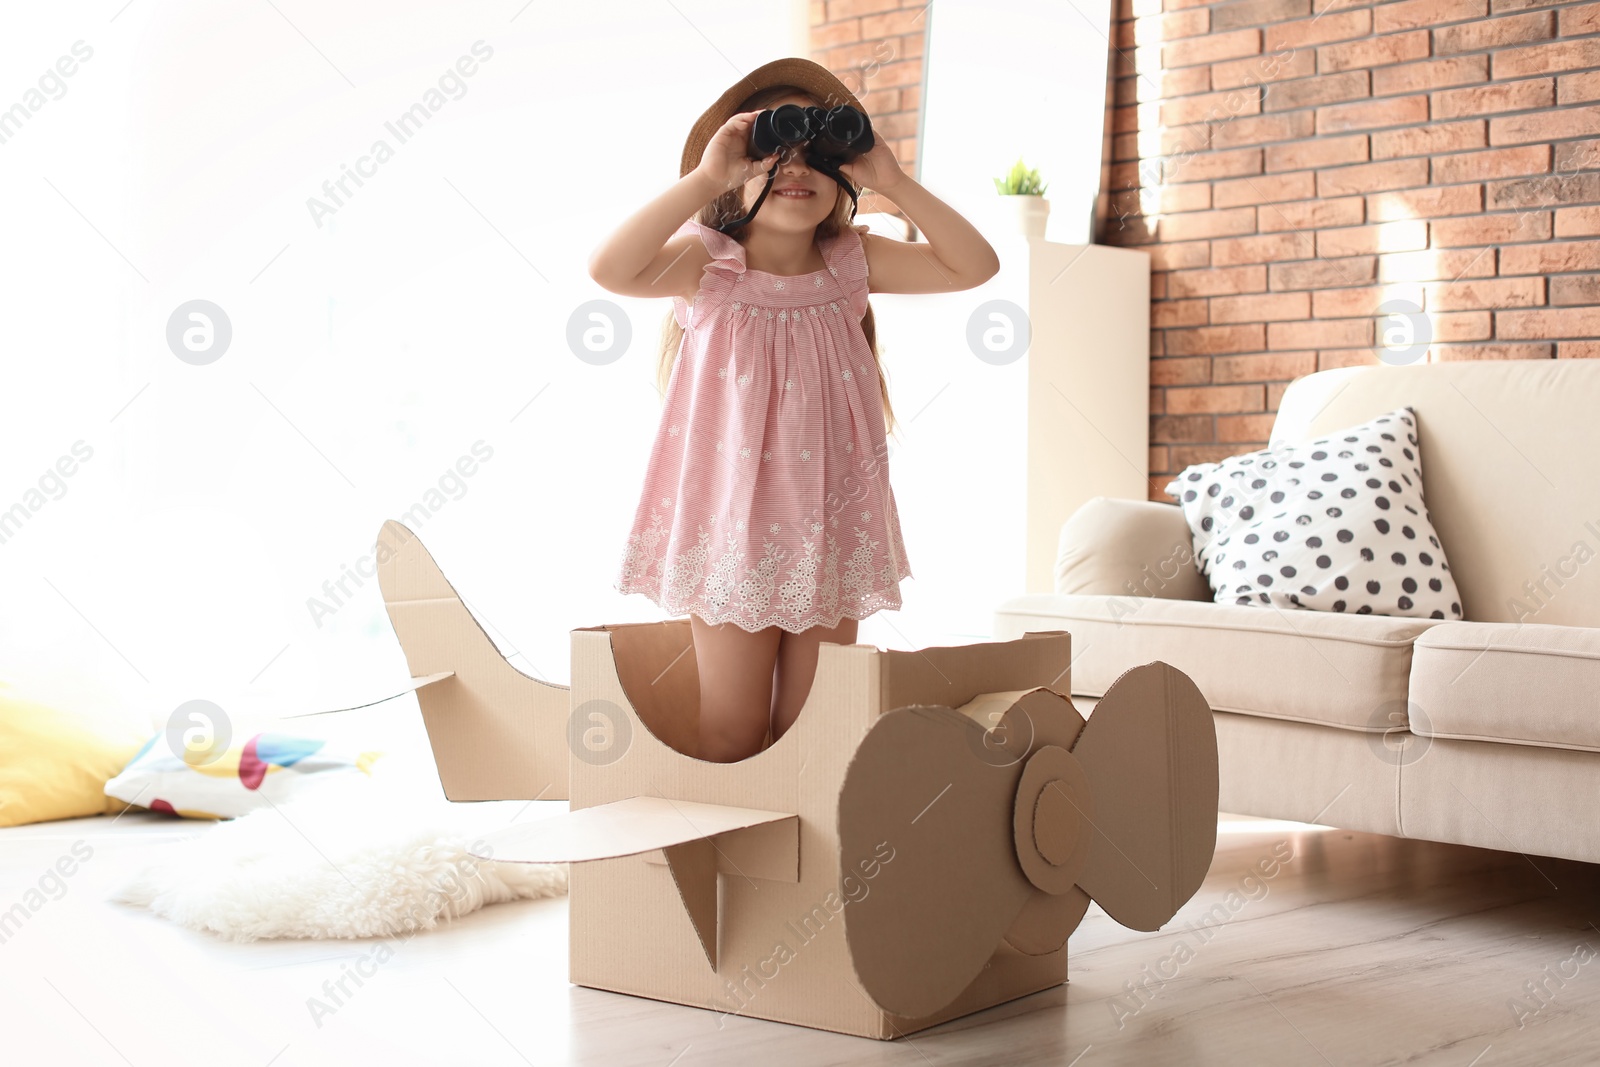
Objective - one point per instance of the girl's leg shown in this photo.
(797, 665)
(735, 687)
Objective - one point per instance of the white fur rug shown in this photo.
(335, 864)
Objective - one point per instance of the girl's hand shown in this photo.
(878, 170)
(724, 161)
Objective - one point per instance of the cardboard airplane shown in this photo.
(916, 847)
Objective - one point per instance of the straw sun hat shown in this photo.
(816, 80)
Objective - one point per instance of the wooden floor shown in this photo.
(1357, 949)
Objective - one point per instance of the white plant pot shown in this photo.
(1028, 213)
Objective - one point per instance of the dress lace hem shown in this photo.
(867, 605)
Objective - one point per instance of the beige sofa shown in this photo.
(1484, 732)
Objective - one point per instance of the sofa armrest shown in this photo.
(1129, 548)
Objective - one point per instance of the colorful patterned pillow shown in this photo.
(268, 768)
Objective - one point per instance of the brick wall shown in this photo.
(1292, 165)
(875, 48)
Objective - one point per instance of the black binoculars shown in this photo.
(831, 135)
(835, 135)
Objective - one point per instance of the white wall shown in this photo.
(368, 354)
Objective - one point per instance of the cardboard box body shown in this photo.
(782, 952)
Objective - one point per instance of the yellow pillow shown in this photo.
(54, 764)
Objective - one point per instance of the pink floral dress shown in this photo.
(766, 499)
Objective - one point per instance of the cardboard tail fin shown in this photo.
(496, 733)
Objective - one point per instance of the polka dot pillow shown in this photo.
(1335, 524)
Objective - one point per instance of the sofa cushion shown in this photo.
(1510, 447)
(1528, 685)
(1349, 671)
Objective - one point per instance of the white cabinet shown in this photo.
(995, 450)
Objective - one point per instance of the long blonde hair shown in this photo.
(730, 205)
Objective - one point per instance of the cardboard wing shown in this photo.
(496, 733)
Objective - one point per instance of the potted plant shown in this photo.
(1024, 194)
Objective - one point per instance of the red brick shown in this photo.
(1495, 163)
(1408, 236)
(1263, 367)
(1446, 264)
(1574, 289)
(1264, 189)
(1578, 350)
(1547, 323)
(1156, 401)
(1194, 225)
(1419, 14)
(1163, 200)
(1572, 156)
(1425, 203)
(1287, 126)
(1263, 69)
(1210, 48)
(1191, 370)
(1462, 326)
(1491, 229)
(1310, 92)
(1322, 273)
(1494, 33)
(1217, 281)
(1578, 88)
(1348, 357)
(1267, 307)
(1391, 111)
(1373, 51)
(1363, 301)
(1542, 191)
(1371, 177)
(1321, 152)
(1426, 140)
(1458, 353)
(1255, 429)
(1312, 214)
(1487, 99)
(1180, 429)
(1434, 74)
(1215, 340)
(1266, 248)
(1257, 12)
(1210, 399)
(1546, 58)
(1176, 257)
(1485, 293)
(1323, 333)
(1209, 166)
(1550, 258)
(1319, 30)
(1189, 455)
(1578, 222)
(1211, 107)
(846, 31)
(1579, 20)
(1169, 313)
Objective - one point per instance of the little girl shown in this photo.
(767, 513)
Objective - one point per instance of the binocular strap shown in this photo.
(825, 167)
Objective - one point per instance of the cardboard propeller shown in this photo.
(1121, 809)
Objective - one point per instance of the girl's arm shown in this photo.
(642, 258)
(955, 256)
